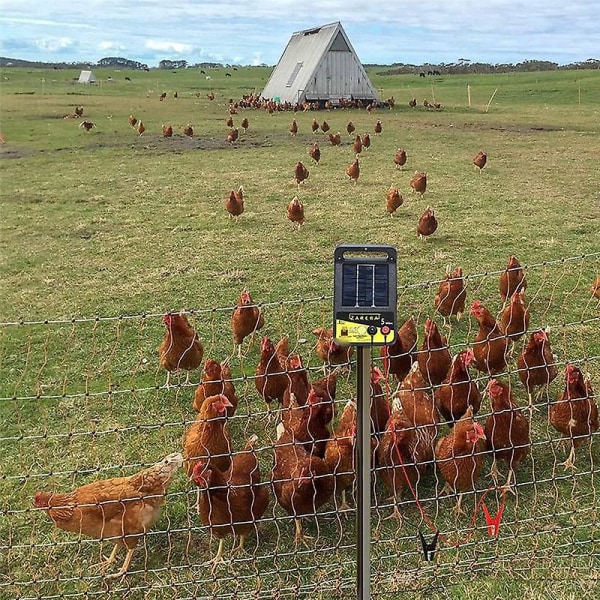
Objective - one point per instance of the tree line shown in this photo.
(462, 66)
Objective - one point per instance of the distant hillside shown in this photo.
(115, 62)
(463, 66)
(18, 62)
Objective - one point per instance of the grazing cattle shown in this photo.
(421, 74)
(127, 78)
(227, 74)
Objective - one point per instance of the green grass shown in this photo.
(107, 223)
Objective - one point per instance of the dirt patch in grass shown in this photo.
(492, 127)
(155, 143)
(181, 143)
(7, 151)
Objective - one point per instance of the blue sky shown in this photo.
(238, 32)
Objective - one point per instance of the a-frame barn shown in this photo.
(319, 64)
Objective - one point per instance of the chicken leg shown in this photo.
(344, 506)
(218, 558)
(570, 462)
(494, 472)
(110, 560)
(126, 563)
(395, 515)
(507, 487)
(300, 536)
(240, 547)
(458, 510)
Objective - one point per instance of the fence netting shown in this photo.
(84, 400)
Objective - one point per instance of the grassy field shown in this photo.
(103, 231)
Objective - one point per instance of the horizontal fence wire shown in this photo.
(86, 400)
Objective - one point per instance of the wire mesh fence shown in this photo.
(85, 400)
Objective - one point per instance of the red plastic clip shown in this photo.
(493, 524)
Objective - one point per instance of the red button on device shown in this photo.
(385, 330)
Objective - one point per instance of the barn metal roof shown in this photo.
(319, 64)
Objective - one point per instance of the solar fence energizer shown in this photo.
(364, 301)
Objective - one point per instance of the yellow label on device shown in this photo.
(347, 333)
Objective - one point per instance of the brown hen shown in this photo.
(399, 356)
(235, 203)
(231, 502)
(400, 158)
(301, 173)
(353, 170)
(418, 182)
(434, 356)
(458, 391)
(575, 413)
(207, 437)
(181, 347)
(459, 456)
(302, 482)
(402, 457)
(328, 350)
(339, 453)
(121, 510)
(380, 406)
(512, 279)
(393, 200)
(480, 160)
(298, 382)
(490, 346)
(536, 363)
(216, 380)
(506, 430)
(246, 319)
(335, 139)
(427, 224)
(451, 295)
(271, 380)
(295, 211)
(315, 153)
(514, 319)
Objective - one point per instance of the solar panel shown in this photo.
(364, 294)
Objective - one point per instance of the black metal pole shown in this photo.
(363, 473)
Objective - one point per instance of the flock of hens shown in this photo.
(427, 423)
(314, 461)
(234, 204)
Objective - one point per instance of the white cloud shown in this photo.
(257, 59)
(255, 33)
(177, 47)
(55, 44)
(111, 46)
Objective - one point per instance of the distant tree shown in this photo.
(121, 63)
(172, 64)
